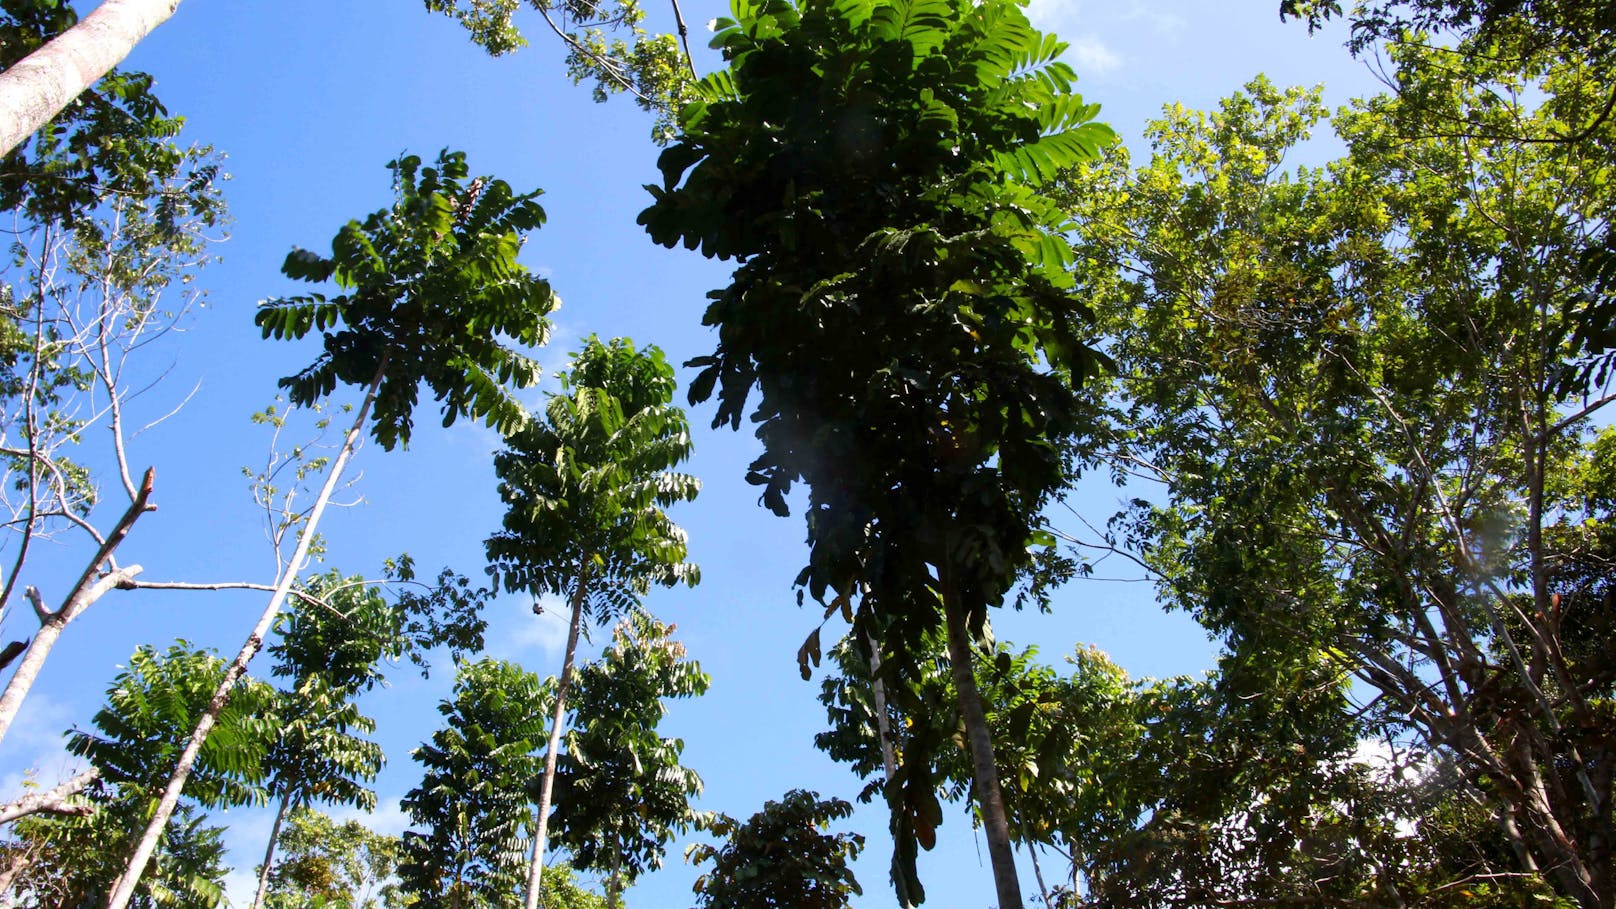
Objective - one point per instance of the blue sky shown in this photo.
(309, 99)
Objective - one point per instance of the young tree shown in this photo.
(585, 490)
(329, 652)
(1352, 381)
(779, 858)
(900, 303)
(475, 799)
(621, 792)
(430, 286)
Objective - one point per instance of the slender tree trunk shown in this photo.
(147, 844)
(541, 830)
(989, 800)
(269, 852)
(1037, 872)
(889, 760)
(85, 593)
(37, 87)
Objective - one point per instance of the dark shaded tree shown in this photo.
(900, 304)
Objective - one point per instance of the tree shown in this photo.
(1350, 381)
(111, 218)
(900, 302)
(585, 490)
(37, 87)
(431, 285)
(779, 857)
(327, 864)
(70, 860)
(475, 798)
(622, 793)
(329, 650)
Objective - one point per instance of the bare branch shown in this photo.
(55, 800)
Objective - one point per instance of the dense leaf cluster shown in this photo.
(429, 287)
(779, 857)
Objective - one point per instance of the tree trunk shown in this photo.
(989, 800)
(147, 844)
(269, 852)
(541, 830)
(85, 593)
(889, 760)
(1043, 889)
(37, 87)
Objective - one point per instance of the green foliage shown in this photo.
(429, 286)
(1365, 470)
(446, 614)
(621, 793)
(779, 858)
(327, 865)
(652, 68)
(114, 140)
(586, 486)
(923, 396)
(472, 810)
(150, 711)
(71, 861)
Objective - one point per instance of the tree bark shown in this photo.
(989, 800)
(52, 801)
(269, 852)
(37, 87)
(85, 593)
(147, 844)
(541, 829)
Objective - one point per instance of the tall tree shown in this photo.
(585, 490)
(430, 287)
(900, 303)
(621, 791)
(71, 860)
(1352, 381)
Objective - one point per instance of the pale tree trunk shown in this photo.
(37, 87)
(541, 830)
(91, 587)
(269, 853)
(985, 775)
(889, 760)
(141, 856)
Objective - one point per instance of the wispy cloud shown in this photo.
(515, 632)
(1093, 57)
(36, 745)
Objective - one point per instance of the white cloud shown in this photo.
(1092, 57)
(1050, 15)
(514, 631)
(36, 744)
(388, 818)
